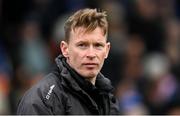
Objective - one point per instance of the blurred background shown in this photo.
(144, 60)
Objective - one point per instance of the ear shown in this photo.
(64, 48)
(107, 49)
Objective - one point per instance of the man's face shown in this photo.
(86, 52)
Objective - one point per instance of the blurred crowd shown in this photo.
(144, 60)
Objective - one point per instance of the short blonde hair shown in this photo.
(88, 18)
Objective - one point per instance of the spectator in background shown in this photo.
(144, 19)
(129, 96)
(162, 88)
(172, 45)
(33, 51)
(76, 86)
(5, 78)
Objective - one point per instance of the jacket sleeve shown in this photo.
(32, 104)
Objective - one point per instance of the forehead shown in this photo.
(80, 33)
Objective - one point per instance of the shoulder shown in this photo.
(43, 94)
(50, 84)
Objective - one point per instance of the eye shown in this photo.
(99, 45)
(82, 45)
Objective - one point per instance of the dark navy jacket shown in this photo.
(59, 94)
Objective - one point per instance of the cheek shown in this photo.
(76, 57)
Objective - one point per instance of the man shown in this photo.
(76, 86)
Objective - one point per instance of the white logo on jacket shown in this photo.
(50, 91)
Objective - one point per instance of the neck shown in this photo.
(92, 80)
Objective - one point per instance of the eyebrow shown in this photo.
(88, 42)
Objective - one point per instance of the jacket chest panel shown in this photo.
(78, 106)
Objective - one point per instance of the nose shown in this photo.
(91, 53)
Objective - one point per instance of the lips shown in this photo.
(90, 65)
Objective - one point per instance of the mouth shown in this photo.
(90, 65)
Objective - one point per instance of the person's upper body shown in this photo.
(76, 85)
(64, 91)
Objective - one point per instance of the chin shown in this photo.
(89, 75)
